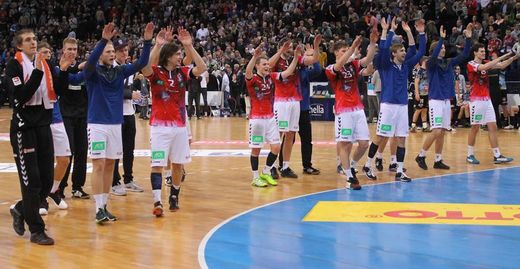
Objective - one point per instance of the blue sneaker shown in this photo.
(502, 159)
(471, 159)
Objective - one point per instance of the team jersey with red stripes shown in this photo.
(479, 82)
(287, 89)
(168, 90)
(261, 91)
(344, 83)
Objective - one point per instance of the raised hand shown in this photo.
(384, 24)
(406, 27)
(442, 32)
(374, 36)
(66, 60)
(168, 35)
(309, 50)
(39, 58)
(298, 51)
(109, 31)
(258, 51)
(184, 37)
(286, 46)
(468, 32)
(419, 26)
(357, 41)
(394, 24)
(148, 31)
(317, 41)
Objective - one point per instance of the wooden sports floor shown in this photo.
(216, 188)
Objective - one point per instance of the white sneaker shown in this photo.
(509, 127)
(43, 211)
(118, 190)
(133, 187)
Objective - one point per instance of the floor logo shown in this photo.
(415, 213)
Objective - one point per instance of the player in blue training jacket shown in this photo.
(394, 64)
(441, 74)
(105, 86)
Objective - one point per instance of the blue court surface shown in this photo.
(468, 220)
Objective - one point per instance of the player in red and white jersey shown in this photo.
(287, 98)
(481, 108)
(169, 136)
(350, 119)
(262, 123)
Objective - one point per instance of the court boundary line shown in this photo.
(202, 245)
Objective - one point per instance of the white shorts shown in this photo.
(169, 143)
(60, 140)
(263, 131)
(440, 114)
(393, 120)
(351, 126)
(287, 115)
(513, 99)
(105, 141)
(481, 112)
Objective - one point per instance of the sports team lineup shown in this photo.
(76, 101)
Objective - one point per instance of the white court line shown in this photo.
(204, 241)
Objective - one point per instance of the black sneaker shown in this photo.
(109, 215)
(421, 161)
(18, 222)
(101, 216)
(158, 209)
(80, 194)
(369, 173)
(44, 208)
(402, 177)
(311, 171)
(340, 170)
(274, 173)
(393, 168)
(353, 171)
(60, 193)
(168, 181)
(440, 165)
(379, 164)
(288, 173)
(41, 238)
(353, 184)
(174, 203)
(58, 201)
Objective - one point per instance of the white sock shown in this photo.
(55, 186)
(255, 174)
(496, 152)
(369, 162)
(285, 165)
(379, 155)
(353, 163)
(267, 170)
(413, 125)
(156, 195)
(99, 201)
(105, 199)
(438, 157)
(393, 159)
(167, 173)
(424, 125)
(400, 167)
(176, 187)
(422, 153)
(470, 150)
